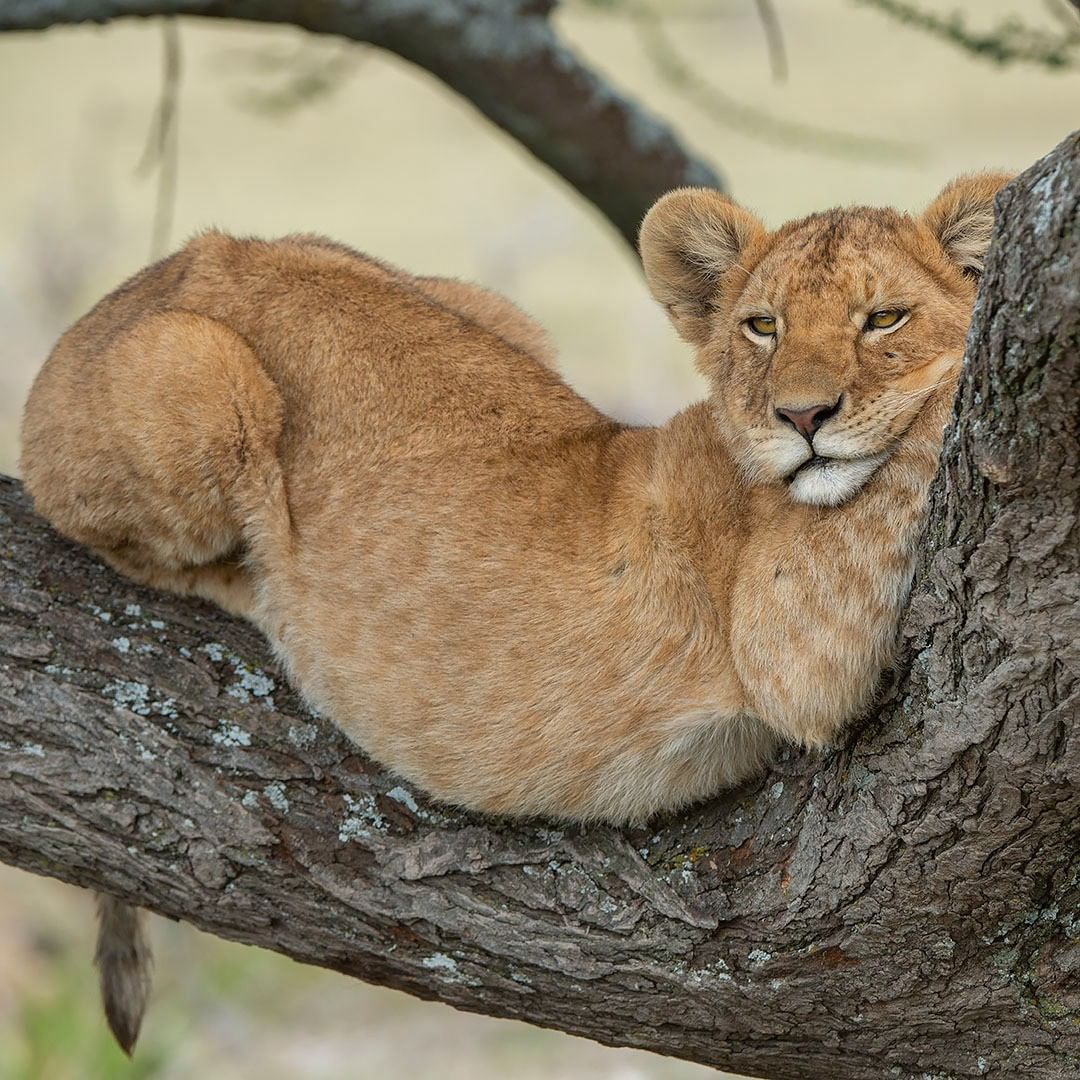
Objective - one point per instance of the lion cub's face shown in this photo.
(823, 339)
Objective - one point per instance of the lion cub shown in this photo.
(503, 595)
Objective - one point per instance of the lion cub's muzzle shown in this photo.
(806, 419)
(828, 472)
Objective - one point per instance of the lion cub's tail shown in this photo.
(124, 961)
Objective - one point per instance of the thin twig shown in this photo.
(1065, 11)
(162, 143)
(774, 39)
(752, 121)
(1011, 41)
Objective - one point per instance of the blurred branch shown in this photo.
(504, 56)
(774, 38)
(300, 77)
(1065, 11)
(1011, 41)
(747, 119)
(163, 141)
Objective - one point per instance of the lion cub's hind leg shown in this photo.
(152, 446)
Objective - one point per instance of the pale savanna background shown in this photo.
(392, 163)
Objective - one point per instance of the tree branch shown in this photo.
(907, 903)
(504, 56)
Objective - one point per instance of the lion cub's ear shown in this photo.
(962, 218)
(688, 240)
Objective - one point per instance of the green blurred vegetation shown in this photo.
(59, 1034)
(229, 1012)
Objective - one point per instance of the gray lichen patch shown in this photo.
(713, 974)
(446, 968)
(231, 735)
(275, 796)
(166, 707)
(130, 695)
(685, 875)
(363, 816)
(303, 736)
(251, 682)
(215, 651)
(405, 797)
(137, 697)
(399, 794)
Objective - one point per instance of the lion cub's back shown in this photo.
(370, 367)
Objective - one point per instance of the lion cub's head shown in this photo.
(823, 339)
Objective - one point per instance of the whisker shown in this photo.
(749, 273)
(907, 395)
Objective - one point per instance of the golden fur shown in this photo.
(513, 601)
(505, 596)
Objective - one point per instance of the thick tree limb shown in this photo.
(905, 906)
(504, 56)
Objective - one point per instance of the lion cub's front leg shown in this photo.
(817, 603)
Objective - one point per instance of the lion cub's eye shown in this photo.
(882, 320)
(762, 325)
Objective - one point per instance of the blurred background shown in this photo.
(857, 101)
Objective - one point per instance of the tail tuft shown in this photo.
(124, 961)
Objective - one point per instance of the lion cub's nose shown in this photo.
(807, 421)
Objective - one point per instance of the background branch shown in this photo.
(1011, 41)
(162, 151)
(774, 39)
(749, 119)
(503, 56)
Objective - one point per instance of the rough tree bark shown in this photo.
(503, 56)
(905, 906)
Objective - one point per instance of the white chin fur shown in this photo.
(775, 457)
(832, 482)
